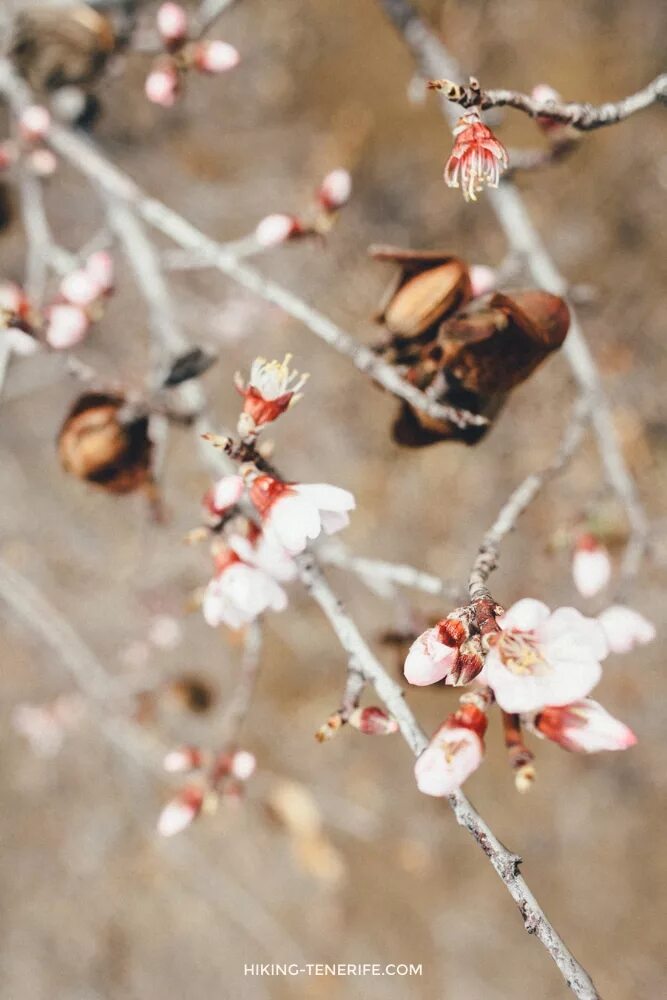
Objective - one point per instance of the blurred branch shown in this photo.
(237, 707)
(584, 117)
(334, 554)
(434, 60)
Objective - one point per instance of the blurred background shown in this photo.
(94, 904)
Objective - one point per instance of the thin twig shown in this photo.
(237, 706)
(380, 570)
(584, 117)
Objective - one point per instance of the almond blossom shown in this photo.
(264, 552)
(172, 22)
(215, 56)
(335, 190)
(162, 85)
(591, 566)
(276, 228)
(67, 325)
(543, 658)
(446, 652)
(239, 593)
(584, 726)
(294, 513)
(271, 389)
(455, 751)
(478, 158)
(224, 494)
(243, 765)
(625, 628)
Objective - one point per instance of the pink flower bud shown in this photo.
(67, 326)
(482, 279)
(373, 721)
(275, 229)
(243, 765)
(226, 492)
(584, 726)
(100, 268)
(172, 22)
(162, 84)
(79, 288)
(180, 812)
(182, 759)
(42, 162)
(34, 123)
(216, 57)
(591, 566)
(335, 190)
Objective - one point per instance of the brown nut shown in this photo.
(97, 445)
(62, 45)
(430, 286)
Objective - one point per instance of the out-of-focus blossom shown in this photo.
(162, 85)
(224, 494)
(100, 268)
(34, 123)
(172, 23)
(42, 162)
(182, 759)
(625, 628)
(294, 513)
(239, 593)
(165, 632)
(483, 279)
(271, 389)
(335, 190)
(67, 325)
(79, 288)
(258, 549)
(180, 812)
(215, 56)
(591, 566)
(584, 726)
(20, 342)
(544, 658)
(373, 721)
(455, 751)
(276, 228)
(45, 726)
(477, 159)
(243, 765)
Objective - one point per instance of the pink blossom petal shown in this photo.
(625, 628)
(216, 57)
(67, 326)
(584, 726)
(226, 492)
(100, 268)
(451, 757)
(526, 615)
(80, 288)
(428, 660)
(275, 229)
(172, 22)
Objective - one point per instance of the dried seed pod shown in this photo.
(98, 442)
(430, 286)
(497, 341)
(480, 354)
(58, 46)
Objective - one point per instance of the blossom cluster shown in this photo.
(33, 125)
(164, 83)
(539, 665)
(255, 557)
(220, 775)
(67, 319)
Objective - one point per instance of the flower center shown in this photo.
(451, 749)
(521, 653)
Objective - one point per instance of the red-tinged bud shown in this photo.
(224, 495)
(67, 326)
(162, 84)
(172, 23)
(215, 57)
(591, 566)
(585, 727)
(180, 811)
(100, 268)
(330, 728)
(272, 388)
(264, 491)
(469, 662)
(79, 288)
(483, 279)
(243, 765)
(335, 190)
(468, 716)
(373, 721)
(277, 228)
(183, 759)
(34, 123)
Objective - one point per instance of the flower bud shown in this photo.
(215, 57)
(181, 811)
(66, 327)
(172, 23)
(42, 162)
(584, 726)
(162, 85)
(591, 566)
(277, 228)
(34, 123)
(373, 721)
(100, 268)
(335, 190)
(79, 288)
(224, 495)
(483, 279)
(243, 765)
(182, 759)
